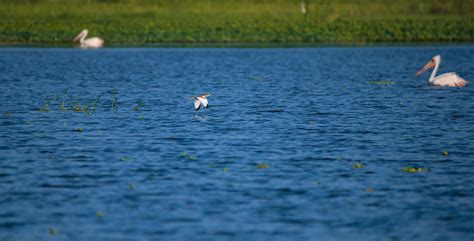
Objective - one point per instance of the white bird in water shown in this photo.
(448, 79)
(200, 100)
(94, 42)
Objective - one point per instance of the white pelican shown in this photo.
(93, 42)
(200, 99)
(448, 79)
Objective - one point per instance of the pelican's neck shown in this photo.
(83, 37)
(435, 70)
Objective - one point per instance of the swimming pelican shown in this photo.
(93, 42)
(448, 79)
(200, 99)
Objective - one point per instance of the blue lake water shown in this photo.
(274, 156)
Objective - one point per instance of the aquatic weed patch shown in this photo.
(263, 166)
(411, 169)
(358, 166)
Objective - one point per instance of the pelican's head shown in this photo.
(432, 63)
(81, 34)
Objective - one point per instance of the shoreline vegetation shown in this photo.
(236, 23)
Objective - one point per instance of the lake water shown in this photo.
(297, 144)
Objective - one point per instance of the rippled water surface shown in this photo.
(297, 144)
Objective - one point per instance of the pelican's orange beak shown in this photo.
(429, 65)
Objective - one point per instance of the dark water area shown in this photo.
(297, 144)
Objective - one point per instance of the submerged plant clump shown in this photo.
(358, 165)
(45, 108)
(87, 105)
(53, 231)
(100, 214)
(187, 156)
(138, 106)
(414, 169)
(263, 166)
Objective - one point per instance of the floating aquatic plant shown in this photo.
(80, 129)
(131, 186)
(95, 103)
(138, 106)
(183, 154)
(99, 214)
(263, 166)
(45, 108)
(370, 190)
(62, 106)
(43, 134)
(124, 158)
(358, 165)
(225, 170)
(76, 107)
(414, 169)
(445, 153)
(141, 117)
(53, 231)
(114, 100)
(7, 114)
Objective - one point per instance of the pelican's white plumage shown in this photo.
(448, 79)
(94, 42)
(200, 100)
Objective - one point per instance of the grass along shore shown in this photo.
(137, 22)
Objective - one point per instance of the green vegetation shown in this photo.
(100, 214)
(187, 156)
(53, 231)
(263, 166)
(139, 22)
(358, 165)
(414, 169)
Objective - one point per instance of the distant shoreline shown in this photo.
(168, 23)
(241, 45)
